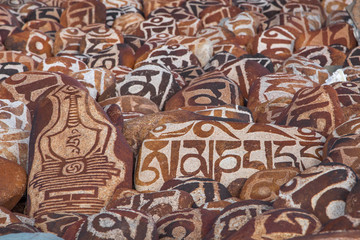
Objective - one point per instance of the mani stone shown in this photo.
(212, 88)
(18, 57)
(15, 128)
(114, 224)
(7, 217)
(57, 223)
(191, 223)
(337, 235)
(12, 183)
(201, 189)
(8, 69)
(151, 80)
(222, 151)
(265, 184)
(345, 150)
(234, 216)
(156, 204)
(77, 156)
(279, 224)
(317, 108)
(320, 189)
(29, 86)
(352, 202)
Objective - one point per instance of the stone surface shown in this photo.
(345, 149)
(352, 202)
(314, 107)
(79, 14)
(57, 223)
(8, 69)
(78, 157)
(335, 34)
(192, 223)
(63, 64)
(28, 86)
(212, 88)
(150, 80)
(13, 183)
(15, 124)
(7, 217)
(114, 224)
(234, 216)
(241, 149)
(100, 82)
(323, 55)
(265, 184)
(201, 189)
(157, 204)
(279, 224)
(18, 56)
(33, 41)
(321, 189)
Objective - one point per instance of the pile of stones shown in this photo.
(179, 119)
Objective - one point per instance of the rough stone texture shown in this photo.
(77, 156)
(114, 224)
(201, 189)
(234, 216)
(212, 88)
(13, 183)
(265, 184)
(192, 223)
(241, 149)
(156, 204)
(317, 108)
(321, 189)
(279, 224)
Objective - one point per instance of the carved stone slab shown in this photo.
(212, 88)
(10, 68)
(154, 25)
(186, 22)
(57, 223)
(28, 86)
(240, 149)
(33, 41)
(212, 15)
(7, 217)
(243, 72)
(150, 80)
(18, 56)
(131, 105)
(234, 216)
(157, 204)
(265, 184)
(15, 124)
(353, 58)
(336, 34)
(303, 66)
(118, 54)
(171, 56)
(314, 107)
(215, 34)
(321, 189)
(276, 42)
(275, 86)
(345, 150)
(282, 223)
(100, 82)
(128, 23)
(201, 189)
(45, 13)
(63, 64)
(79, 14)
(192, 223)
(323, 55)
(218, 59)
(68, 40)
(114, 224)
(197, 6)
(99, 39)
(77, 156)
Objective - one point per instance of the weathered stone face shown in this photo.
(77, 156)
(222, 151)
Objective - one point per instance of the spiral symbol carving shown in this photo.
(73, 168)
